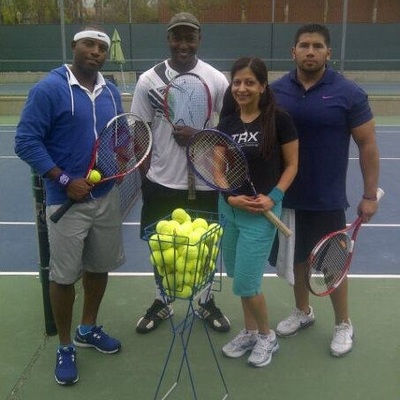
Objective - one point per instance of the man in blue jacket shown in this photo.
(61, 119)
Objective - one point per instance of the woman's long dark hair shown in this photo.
(267, 104)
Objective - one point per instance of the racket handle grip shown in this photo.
(56, 216)
(278, 223)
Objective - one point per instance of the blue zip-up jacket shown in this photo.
(59, 126)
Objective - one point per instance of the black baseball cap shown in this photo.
(183, 19)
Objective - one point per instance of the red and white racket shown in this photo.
(187, 102)
(330, 259)
(121, 147)
(220, 162)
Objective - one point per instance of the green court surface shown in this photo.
(302, 369)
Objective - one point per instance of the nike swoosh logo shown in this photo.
(327, 97)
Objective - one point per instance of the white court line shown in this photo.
(5, 223)
(138, 223)
(133, 274)
(381, 158)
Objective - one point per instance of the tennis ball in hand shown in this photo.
(94, 176)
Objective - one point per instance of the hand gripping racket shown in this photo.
(220, 162)
(121, 147)
(330, 259)
(187, 102)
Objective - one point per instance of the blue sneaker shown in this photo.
(66, 372)
(98, 339)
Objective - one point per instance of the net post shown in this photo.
(43, 249)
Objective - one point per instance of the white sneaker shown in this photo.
(295, 321)
(266, 345)
(342, 341)
(240, 345)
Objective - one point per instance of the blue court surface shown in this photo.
(377, 252)
(302, 369)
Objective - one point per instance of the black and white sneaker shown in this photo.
(213, 316)
(158, 312)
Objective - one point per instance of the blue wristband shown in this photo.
(276, 195)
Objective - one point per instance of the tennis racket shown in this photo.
(121, 147)
(220, 162)
(330, 259)
(187, 102)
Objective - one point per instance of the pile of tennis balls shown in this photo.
(184, 251)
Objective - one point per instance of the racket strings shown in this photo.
(328, 263)
(217, 161)
(123, 145)
(187, 102)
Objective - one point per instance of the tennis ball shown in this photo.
(168, 281)
(94, 176)
(188, 279)
(214, 252)
(173, 225)
(194, 237)
(156, 258)
(182, 233)
(185, 292)
(216, 228)
(187, 225)
(179, 280)
(212, 266)
(165, 241)
(200, 223)
(180, 264)
(198, 278)
(179, 214)
(203, 250)
(154, 242)
(169, 255)
(190, 252)
(163, 227)
(191, 266)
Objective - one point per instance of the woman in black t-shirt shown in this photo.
(269, 140)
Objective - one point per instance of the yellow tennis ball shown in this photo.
(190, 252)
(162, 227)
(170, 255)
(94, 176)
(200, 223)
(185, 292)
(179, 214)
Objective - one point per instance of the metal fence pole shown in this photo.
(62, 27)
(44, 252)
(344, 34)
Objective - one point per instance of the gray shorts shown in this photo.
(87, 238)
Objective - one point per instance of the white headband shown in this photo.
(93, 35)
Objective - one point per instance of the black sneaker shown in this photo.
(158, 312)
(213, 316)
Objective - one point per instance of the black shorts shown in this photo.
(311, 226)
(159, 201)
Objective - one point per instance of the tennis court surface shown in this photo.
(302, 369)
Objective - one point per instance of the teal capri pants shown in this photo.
(246, 245)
